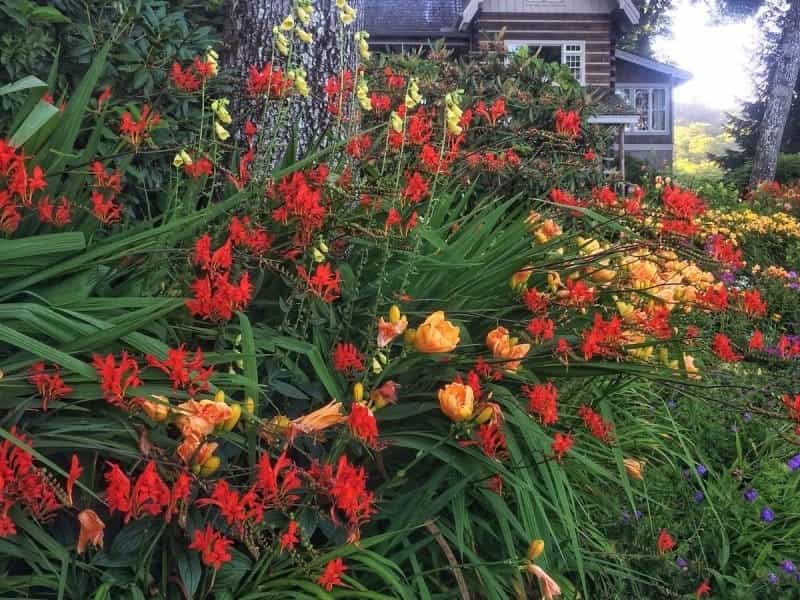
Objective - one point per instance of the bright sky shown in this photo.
(719, 55)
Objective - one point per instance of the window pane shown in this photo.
(641, 101)
(659, 110)
(573, 62)
(547, 53)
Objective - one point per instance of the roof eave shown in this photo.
(470, 11)
(630, 10)
(679, 75)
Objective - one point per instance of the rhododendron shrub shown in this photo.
(414, 336)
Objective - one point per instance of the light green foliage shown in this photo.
(694, 143)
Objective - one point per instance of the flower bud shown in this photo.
(249, 406)
(358, 392)
(484, 416)
(394, 314)
(535, 549)
(236, 413)
(409, 336)
(210, 466)
(219, 396)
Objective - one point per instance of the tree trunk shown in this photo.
(779, 98)
(248, 42)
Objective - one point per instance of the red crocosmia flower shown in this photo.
(589, 155)
(632, 206)
(185, 371)
(110, 181)
(563, 348)
(255, 239)
(302, 203)
(715, 297)
(204, 69)
(381, 103)
(332, 575)
(577, 293)
(105, 209)
(756, 343)
(495, 111)
(541, 329)
(214, 548)
(325, 283)
(492, 441)
(150, 495)
(116, 378)
(665, 543)
(656, 321)
(22, 485)
(289, 538)
(535, 301)
(250, 130)
(393, 218)
(486, 370)
(181, 488)
(542, 401)
(276, 483)
(362, 424)
(722, 347)
(692, 332)
(431, 159)
(788, 348)
(137, 131)
(347, 487)
(358, 146)
(51, 214)
(419, 128)
(411, 223)
(219, 261)
(605, 197)
(599, 427)
(104, 97)
(562, 443)
(416, 187)
(753, 304)
(118, 490)
(604, 338)
(681, 203)
(393, 80)
(568, 123)
(49, 385)
(792, 405)
(704, 589)
(230, 504)
(269, 81)
(199, 167)
(564, 198)
(10, 215)
(725, 252)
(75, 471)
(216, 298)
(337, 89)
(346, 357)
(184, 79)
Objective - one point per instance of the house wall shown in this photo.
(629, 73)
(550, 6)
(593, 29)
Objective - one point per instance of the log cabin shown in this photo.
(580, 34)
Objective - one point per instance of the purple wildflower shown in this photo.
(750, 495)
(767, 515)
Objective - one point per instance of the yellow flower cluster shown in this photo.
(735, 224)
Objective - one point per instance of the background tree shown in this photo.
(653, 21)
(249, 41)
(762, 127)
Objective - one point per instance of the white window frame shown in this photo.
(667, 107)
(514, 45)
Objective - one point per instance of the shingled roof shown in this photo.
(421, 17)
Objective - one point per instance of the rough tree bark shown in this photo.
(779, 98)
(248, 42)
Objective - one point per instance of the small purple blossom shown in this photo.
(747, 416)
(788, 566)
(701, 470)
(772, 578)
(794, 462)
(682, 564)
(750, 495)
(699, 496)
(767, 515)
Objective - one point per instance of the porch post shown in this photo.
(621, 144)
